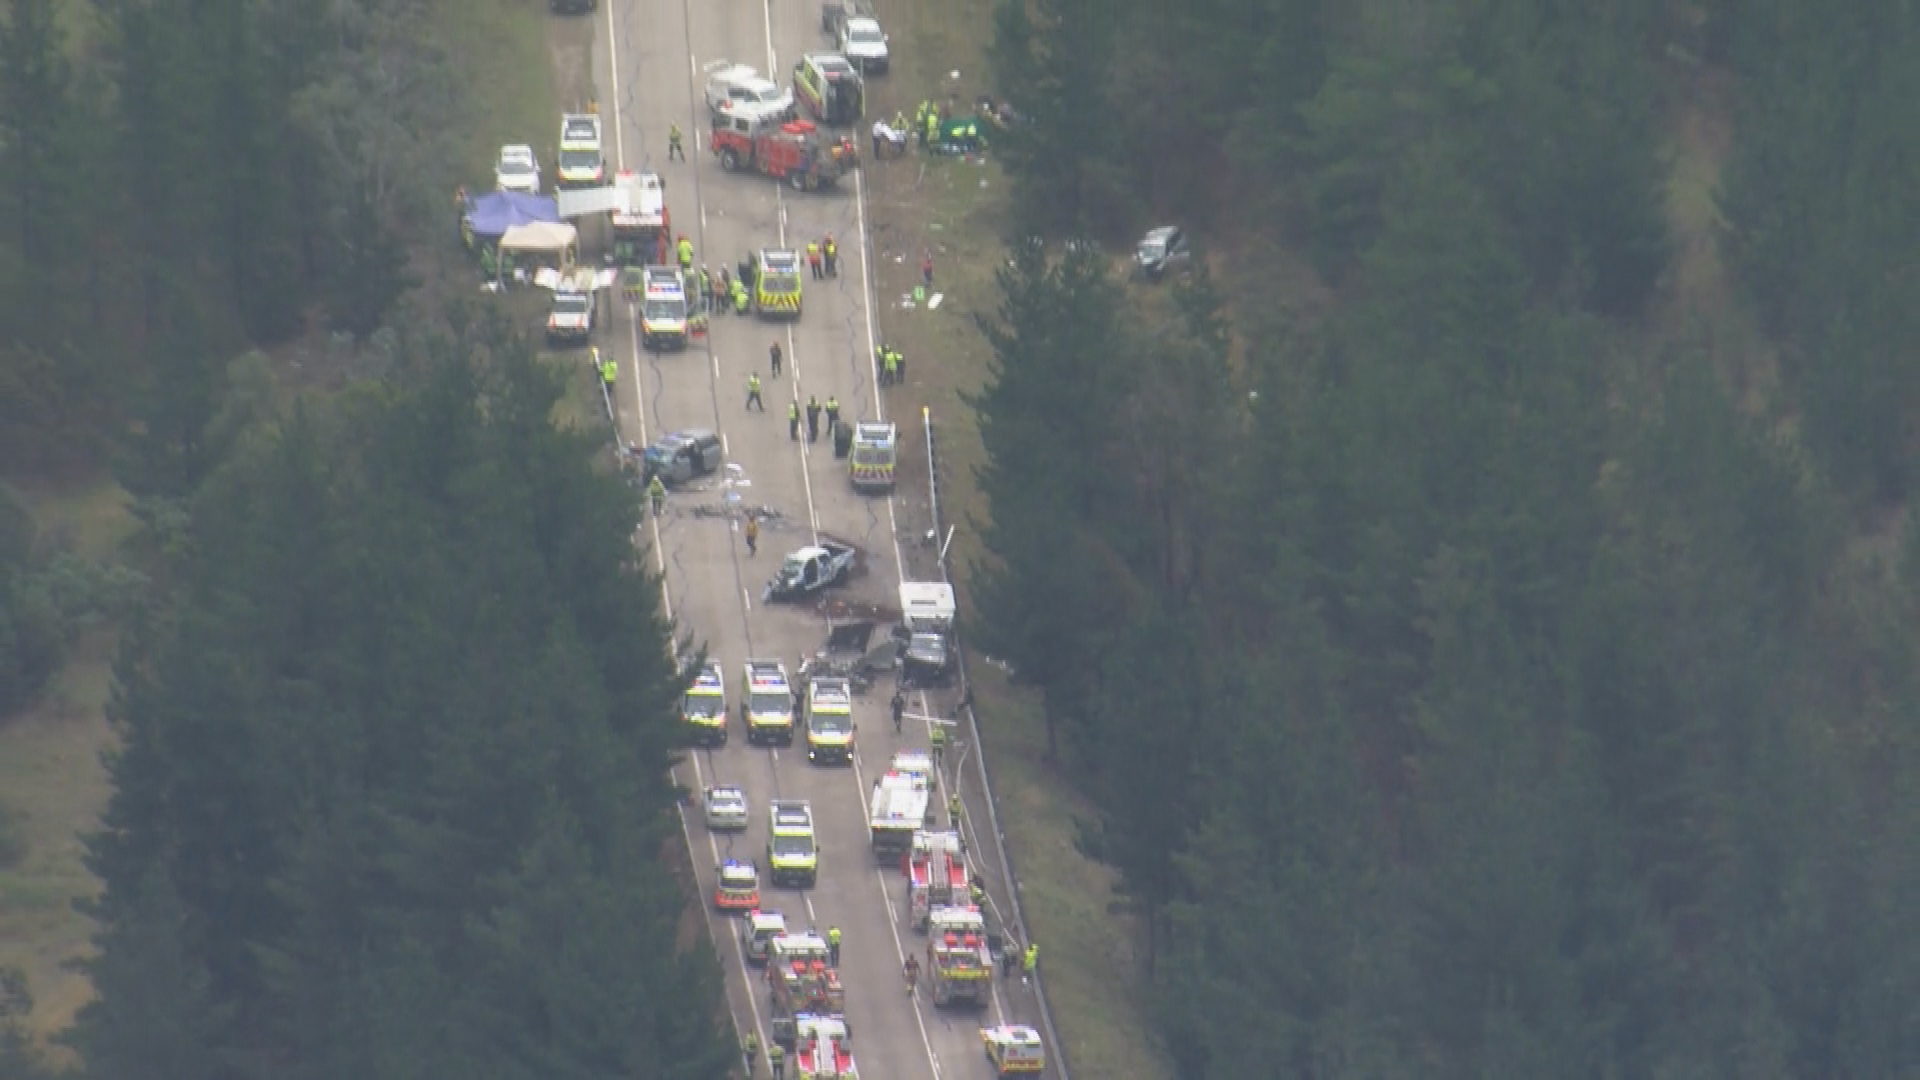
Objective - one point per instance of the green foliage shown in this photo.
(1483, 696)
(392, 792)
(47, 596)
(1821, 223)
(255, 161)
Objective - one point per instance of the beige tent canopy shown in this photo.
(553, 239)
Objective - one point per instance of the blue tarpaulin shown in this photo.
(492, 214)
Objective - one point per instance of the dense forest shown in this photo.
(1475, 676)
(395, 700)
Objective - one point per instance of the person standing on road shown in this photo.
(1029, 962)
(685, 248)
(706, 289)
(753, 536)
(833, 945)
(813, 419)
(937, 739)
(773, 358)
(833, 416)
(892, 377)
(899, 710)
(813, 258)
(953, 809)
(740, 300)
(777, 1061)
(753, 393)
(1009, 955)
(793, 420)
(656, 494)
(831, 252)
(674, 149)
(750, 1049)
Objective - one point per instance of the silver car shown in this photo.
(1162, 250)
(726, 808)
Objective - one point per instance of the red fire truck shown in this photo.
(794, 151)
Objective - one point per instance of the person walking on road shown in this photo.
(793, 420)
(773, 358)
(753, 536)
(753, 393)
(813, 419)
(674, 149)
(937, 739)
(656, 494)
(899, 710)
(813, 259)
(777, 1061)
(750, 1049)
(833, 416)
(833, 946)
(685, 248)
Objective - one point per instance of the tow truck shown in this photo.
(936, 875)
(900, 806)
(705, 706)
(958, 960)
(1014, 1049)
(757, 930)
(642, 226)
(792, 151)
(829, 720)
(738, 888)
(870, 463)
(812, 568)
(776, 283)
(927, 612)
(793, 857)
(803, 984)
(663, 309)
(821, 1051)
(766, 703)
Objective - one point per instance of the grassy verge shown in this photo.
(52, 781)
(953, 209)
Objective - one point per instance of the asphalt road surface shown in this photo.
(646, 63)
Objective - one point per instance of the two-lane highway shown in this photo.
(647, 71)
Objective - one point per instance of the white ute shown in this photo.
(739, 90)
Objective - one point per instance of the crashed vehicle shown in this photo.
(812, 568)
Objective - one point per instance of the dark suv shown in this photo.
(683, 455)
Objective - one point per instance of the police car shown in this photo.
(793, 857)
(705, 707)
(767, 703)
(726, 808)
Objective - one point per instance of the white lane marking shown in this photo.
(613, 74)
(716, 367)
(746, 599)
(746, 977)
